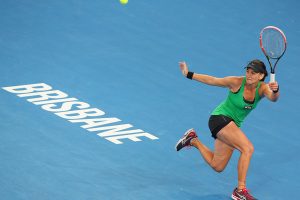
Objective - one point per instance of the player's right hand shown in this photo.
(183, 67)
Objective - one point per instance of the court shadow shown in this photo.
(214, 197)
(190, 196)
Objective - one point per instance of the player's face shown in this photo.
(252, 76)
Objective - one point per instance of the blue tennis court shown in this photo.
(115, 68)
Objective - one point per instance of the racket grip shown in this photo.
(272, 77)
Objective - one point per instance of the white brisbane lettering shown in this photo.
(75, 111)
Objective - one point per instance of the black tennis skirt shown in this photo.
(216, 123)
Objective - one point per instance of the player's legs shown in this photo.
(234, 137)
(217, 159)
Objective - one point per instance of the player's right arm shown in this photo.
(230, 82)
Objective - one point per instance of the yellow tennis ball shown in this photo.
(123, 2)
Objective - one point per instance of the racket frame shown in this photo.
(272, 68)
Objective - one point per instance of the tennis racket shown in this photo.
(273, 44)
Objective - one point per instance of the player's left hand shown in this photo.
(273, 86)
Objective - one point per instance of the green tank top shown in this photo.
(236, 107)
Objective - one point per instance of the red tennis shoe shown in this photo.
(242, 195)
(185, 141)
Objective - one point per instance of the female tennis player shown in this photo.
(225, 121)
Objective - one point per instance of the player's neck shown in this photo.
(250, 86)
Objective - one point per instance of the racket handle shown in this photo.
(272, 77)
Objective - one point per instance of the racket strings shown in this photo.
(273, 43)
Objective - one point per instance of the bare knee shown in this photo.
(248, 149)
(218, 168)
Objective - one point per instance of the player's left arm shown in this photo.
(271, 91)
